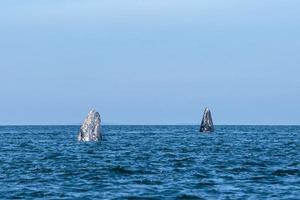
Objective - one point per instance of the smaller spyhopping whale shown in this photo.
(207, 122)
(91, 128)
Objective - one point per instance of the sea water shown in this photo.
(150, 162)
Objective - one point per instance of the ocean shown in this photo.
(150, 162)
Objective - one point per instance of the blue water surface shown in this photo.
(150, 162)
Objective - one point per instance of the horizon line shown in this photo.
(151, 125)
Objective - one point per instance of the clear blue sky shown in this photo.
(150, 61)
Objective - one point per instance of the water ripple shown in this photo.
(150, 162)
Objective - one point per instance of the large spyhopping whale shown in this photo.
(207, 122)
(91, 128)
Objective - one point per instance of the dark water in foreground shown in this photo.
(150, 162)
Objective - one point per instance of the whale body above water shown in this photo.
(207, 122)
(91, 128)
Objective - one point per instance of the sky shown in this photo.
(150, 61)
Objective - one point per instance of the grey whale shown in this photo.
(207, 122)
(91, 127)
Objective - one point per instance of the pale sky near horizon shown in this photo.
(150, 61)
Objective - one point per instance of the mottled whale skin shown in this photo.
(91, 128)
(207, 122)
